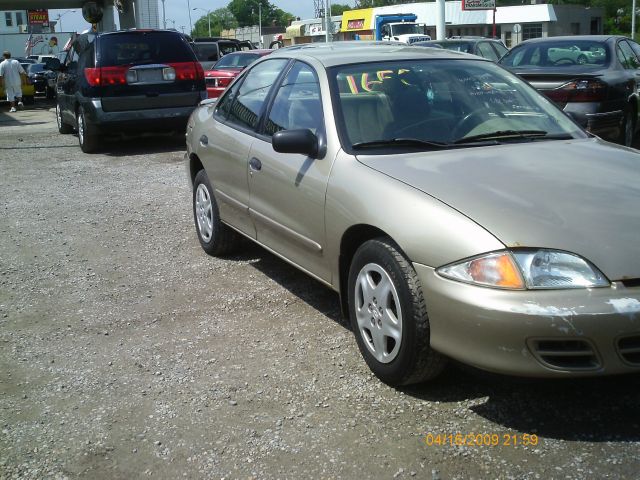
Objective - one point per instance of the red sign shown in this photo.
(355, 24)
(38, 17)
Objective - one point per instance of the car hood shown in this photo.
(580, 196)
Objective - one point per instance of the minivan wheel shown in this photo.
(86, 135)
(63, 128)
(389, 316)
(215, 237)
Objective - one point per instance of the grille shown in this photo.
(629, 349)
(566, 354)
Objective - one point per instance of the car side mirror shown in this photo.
(301, 141)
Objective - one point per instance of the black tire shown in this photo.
(50, 93)
(581, 60)
(627, 129)
(215, 237)
(28, 100)
(87, 137)
(413, 361)
(63, 128)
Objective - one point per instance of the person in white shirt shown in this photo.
(10, 74)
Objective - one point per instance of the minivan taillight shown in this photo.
(103, 76)
(188, 71)
(579, 91)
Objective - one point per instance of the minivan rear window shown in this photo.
(143, 48)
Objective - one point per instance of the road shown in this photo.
(127, 352)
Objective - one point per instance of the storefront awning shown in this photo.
(294, 31)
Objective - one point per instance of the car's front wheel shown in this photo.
(215, 237)
(389, 316)
(87, 137)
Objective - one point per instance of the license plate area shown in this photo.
(150, 75)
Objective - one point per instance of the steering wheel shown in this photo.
(561, 61)
(470, 120)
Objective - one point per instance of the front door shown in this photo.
(287, 191)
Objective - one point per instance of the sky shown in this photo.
(178, 10)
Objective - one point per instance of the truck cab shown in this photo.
(400, 28)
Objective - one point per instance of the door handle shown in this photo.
(255, 164)
(204, 140)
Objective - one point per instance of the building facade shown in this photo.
(13, 21)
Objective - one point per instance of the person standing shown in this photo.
(10, 74)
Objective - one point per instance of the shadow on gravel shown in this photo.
(299, 284)
(593, 410)
(142, 145)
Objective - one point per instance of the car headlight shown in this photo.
(526, 269)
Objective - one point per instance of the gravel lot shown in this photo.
(126, 352)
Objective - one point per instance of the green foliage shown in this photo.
(339, 9)
(246, 13)
(221, 19)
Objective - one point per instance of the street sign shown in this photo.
(517, 28)
(478, 4)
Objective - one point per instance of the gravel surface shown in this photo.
(127, 352)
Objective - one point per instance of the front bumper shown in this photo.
(542, 333)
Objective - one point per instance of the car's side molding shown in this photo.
(297, 237)
(231, 201)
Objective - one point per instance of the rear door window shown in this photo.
(485, 50)
(143, 48)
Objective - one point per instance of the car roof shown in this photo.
(333, 54)
(259, 51)
(575, 38)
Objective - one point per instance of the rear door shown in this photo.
(146, 70)
(230, 134)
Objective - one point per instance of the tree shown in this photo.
(221, 19)
(246, 12)
(339, 9)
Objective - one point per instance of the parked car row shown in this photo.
(458, 213)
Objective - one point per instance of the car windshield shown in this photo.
(464, 47)
(441, 103)
(36, 67)
(559, 53)
(407, 29)
(237, 61)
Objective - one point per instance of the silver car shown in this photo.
(458, 212)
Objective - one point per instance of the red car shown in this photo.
(228, 68)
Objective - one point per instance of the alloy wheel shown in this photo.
(378, 312)
(204, 212)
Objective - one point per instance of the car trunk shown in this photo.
(549, 83)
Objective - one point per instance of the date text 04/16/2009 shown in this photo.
(481, 439)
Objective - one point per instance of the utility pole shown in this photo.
(260, 22)
(190, 23)
(164, 16)
(327, 21)
(633, 20)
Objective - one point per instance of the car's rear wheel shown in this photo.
(628, 128)
(86, 133)
(215, 237)
(389, 315)
(63, 128)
